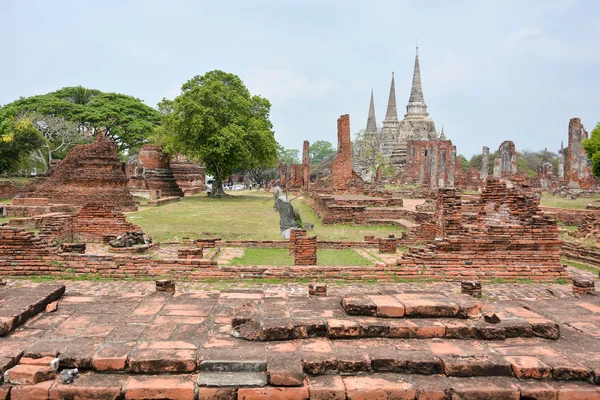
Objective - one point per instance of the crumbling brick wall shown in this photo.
(431, 163)
(578, 173)
(95, 222)
(512, 238)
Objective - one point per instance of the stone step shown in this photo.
(24, 304)
(372, 386)
(411, 305)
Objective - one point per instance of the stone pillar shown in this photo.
(452, 166)
(497, 167)
(305, 166)
(485, 163)
(561, 166)
(305, 250)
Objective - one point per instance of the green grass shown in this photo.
(241, 216)
(281, 257)
(583, 267)
(558, 202)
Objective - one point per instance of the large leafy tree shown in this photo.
(125, 119)
(592, 148)
(320, 151)
(18, 139)
(217, 120)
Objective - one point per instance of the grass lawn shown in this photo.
(281, 257)
(243, 215)
(584, 267)
(556, 201)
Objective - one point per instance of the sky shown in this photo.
(492, 70)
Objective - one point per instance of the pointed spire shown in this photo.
(416, 102)
(562, 149)
(391, 114)
(416, 92)
(442, 135)
(371, 121)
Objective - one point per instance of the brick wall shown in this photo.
(96, 221)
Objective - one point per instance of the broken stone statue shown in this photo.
(287, 218)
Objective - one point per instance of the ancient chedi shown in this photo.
(90, 173)
(190, 176)
(157, 171)
(394, 134)
(577, 170)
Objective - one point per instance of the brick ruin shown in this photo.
(510, 238)
(343, 178)
(296, 176)
(578, 173)
(89, 173)
(431, 163)
(190, 176)
(157, 171)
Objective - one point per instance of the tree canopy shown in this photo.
(320, 151)
(288, 156)
(592, 148)
(215, 119)
(125, 119)
(18, 139)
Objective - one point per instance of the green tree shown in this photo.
(464, 163)
(592, 148)
(217, 120)
(320, 151)
(18, 138)
(288, 156)
(125, 119)
(367, 151)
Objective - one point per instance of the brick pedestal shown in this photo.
(387, 245)
(472, 288)
(582, 286)
(295, 233)
(305, 252)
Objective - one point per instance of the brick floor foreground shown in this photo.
(129, 341)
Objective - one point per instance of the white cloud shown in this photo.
(279, 81)
(517, 37)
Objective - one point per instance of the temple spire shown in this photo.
(416, 102)
(442, 135)
(371, 121)
(392, 114)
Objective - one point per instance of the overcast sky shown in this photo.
(492, 70)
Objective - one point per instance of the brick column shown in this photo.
(294, 234)
(387, 245)
(305, 250)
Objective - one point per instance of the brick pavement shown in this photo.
(118, 332)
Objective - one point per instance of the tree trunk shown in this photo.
(217, 188)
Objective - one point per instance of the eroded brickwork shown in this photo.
(512, 238)
(89, 173)
(506, 163)
(96, 222)
(431, 163)
(578, 174)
